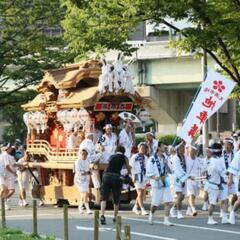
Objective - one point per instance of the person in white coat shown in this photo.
(93, 157)
(157, 170)
(234, 178)
(8, 172)
(214, 185)
(126, 139)
(180, 177)
(228, 155)
(138, 163)
(82, 178)
(109, 140)
(206, 162)
(193, 170)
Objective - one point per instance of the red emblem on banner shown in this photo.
(218, 85)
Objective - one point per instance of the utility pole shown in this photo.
(205, 126)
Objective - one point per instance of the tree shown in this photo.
(12, 114)
(25, 47)
(106, 24)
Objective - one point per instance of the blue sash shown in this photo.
(141, 159)
(183, 162)
(161, 169)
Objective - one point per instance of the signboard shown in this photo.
(108, 106)
(212, 95)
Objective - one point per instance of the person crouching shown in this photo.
(157, 170)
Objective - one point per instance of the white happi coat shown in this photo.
(152, 171)
(215, 169)
(82, 181)
(125, 139)
(109, 143)
(4, 161)
(93, 157)
(234, 168)
(193, 170)
(136, 167)
(179, 174)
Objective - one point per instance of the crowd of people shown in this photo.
(173, 173)
(13, 167)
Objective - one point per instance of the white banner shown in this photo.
(214, 92)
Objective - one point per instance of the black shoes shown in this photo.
(103, 220)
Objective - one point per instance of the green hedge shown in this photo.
(166, 139)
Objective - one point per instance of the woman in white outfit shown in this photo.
(158, 168)
(8, 172)
(10, 177)
(82, 178)
(138, 163)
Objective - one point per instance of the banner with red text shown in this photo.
(212, 95)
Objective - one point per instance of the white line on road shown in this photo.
(186, 226)
(104, 229)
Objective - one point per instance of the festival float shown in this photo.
(76, 97)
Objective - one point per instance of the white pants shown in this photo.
(179, 188)
(140, 185)
(161, 195)
(10, 182)
(192, 188)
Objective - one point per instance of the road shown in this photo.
(50, 222)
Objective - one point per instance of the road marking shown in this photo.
(186, 226)
(104, 229)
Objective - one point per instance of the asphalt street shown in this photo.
(50, 222)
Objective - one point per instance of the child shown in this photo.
(82, 178)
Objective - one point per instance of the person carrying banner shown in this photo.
(138, 163)
(214, 185)
(157, 170)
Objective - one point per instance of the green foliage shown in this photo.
(13, 234)
(12, 114)
(166, 139)
(99, 25)
(25, 48)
